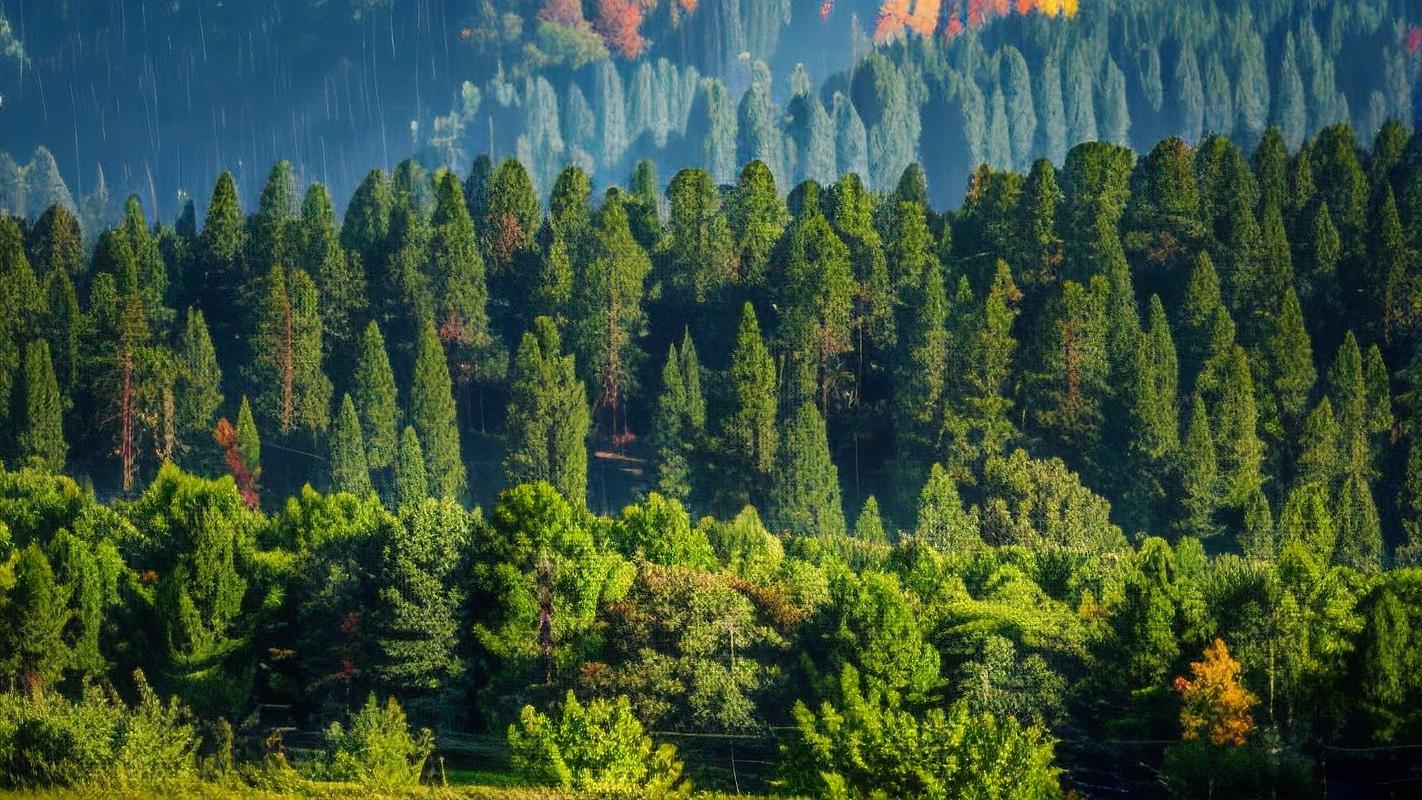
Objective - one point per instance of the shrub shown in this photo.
(599, 749)
(873, 747)
(52, 741)
(378, 751)
(1202, 769)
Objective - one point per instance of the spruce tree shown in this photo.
(815, 294)
(62, 327)
(696, 255)
(292, 390)
(434, 417)
(249, 442)
(375, 399)
(1360, 539)
(978, 423)
(548, 416)
(199, 385)
(942, 522)
(869, 525)
(920, 373)
(223, 272)
(1197, 473)
(757, 216)
(340, 280)
(56, 244)
(749, 431)
(1307, 521)
(346, 460)
(805, 499)
(1067, 375)
(365, 227)
(1236, 433)
(608, 316)
(1347, 389)
(412, 484)
(679, 423)
(1290, 356)
(41, 434)
(1320, 455)
(35, 615)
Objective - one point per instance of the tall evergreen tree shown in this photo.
(757, 215)
(1236, 432)
(815, 295)
(41, 434)
(433, 416)
(805, 498)
(375, 400)
(608, 315)
(249, 442)
(35, 615)
(1197, 474)
(199, 385)
(340, 281)
(412, 483)
(222, 269)
(346, 461)
(365, 228)
(679, 423)
(292, 391)
(460, 289)
(548, 416)
(274, 233)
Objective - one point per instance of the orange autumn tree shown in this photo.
(1214, 702)
(620, 23)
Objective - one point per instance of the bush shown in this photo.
(1201, 769)
(52, 741)
(599, 749)
(873, 747)
(378, 750)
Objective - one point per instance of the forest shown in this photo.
(1107, 481)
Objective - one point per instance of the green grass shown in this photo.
(480, 786)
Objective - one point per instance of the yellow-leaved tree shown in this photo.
(1215, 704)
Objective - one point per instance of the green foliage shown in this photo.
(433, 416)
(872, 745)
(348, 469)
(378, 752)
(599, 748)
(548, 416)
(41, 435)
(805, 496)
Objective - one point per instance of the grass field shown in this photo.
(313, 791)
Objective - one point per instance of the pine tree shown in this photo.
(1236, 432)
(1197, 476)
(942, 522)
(978, 422)
(608, 317)
(199, 385)
(1290, 356)
(1347, 389)
(56, 244)
(412, 485)
(340, 280)
(460, 289)
(222, 272)
(1385, 280)
(757, 216)
(41, 435)
(433, 415)
(62, 327)
(346, 461)
(1378, 389)
(292, 391)
(548, 416)
(273, 233)
(679, 423)
(511, 217)
(1320, 458)
(35, 615)
(375, 399)
(1318, 268)
(869, 525)
(749, 429)
(249, 442)
(1067, 376)
(805, 487)
(815, 294)
(1306, 520)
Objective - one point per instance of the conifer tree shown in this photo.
(869, 525)
(346, 461)
(57, 244)
(20, 307)
(412, 484)
(1200, 315)
(199, 384)
(41, 434)
(1067, 377)
(1360, 540)
(292, 391)
(510, 218)
(942, 522)
(460, 289)
(815, 294)
(608, 315)
(340, 280)
(249, 442)
(1290, 356)
(908, 244)
(696, 255)
(365, 228)
(749, 429)
(1236, 432)
(35, 615)
(273, 232)
(1197, 476)
(921, 373)
(1347, 389)
(805, 487)
(1377, 385)
(978, 422)
(679, 423)
(375, 400)
(1306, 520)
(223, 273)
(757, 216)
(548, 416)
(1320, 457)
(433, 415)
(62, 327)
